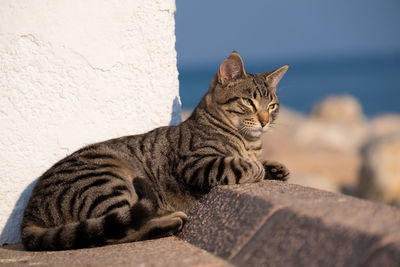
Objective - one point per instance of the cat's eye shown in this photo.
(273, 106)
(248, 101)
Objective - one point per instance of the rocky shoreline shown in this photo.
(338, 149)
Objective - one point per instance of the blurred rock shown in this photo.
(338, 136)
(338, 109)
(380, 172)
(289, 118)
(319, 164)
(336, 122)
(385, 125)
(315, 181)
(185, 114)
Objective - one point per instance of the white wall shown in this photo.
(75, 72)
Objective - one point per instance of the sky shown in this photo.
(208, 30)
(333, 47)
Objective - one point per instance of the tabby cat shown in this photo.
(139, 187)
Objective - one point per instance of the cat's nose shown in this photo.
(263, 118)
(263, 123)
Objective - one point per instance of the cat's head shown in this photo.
(248, 101)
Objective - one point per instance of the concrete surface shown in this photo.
(76, 72)
(162, 252)
(280, 224)
(266, 224)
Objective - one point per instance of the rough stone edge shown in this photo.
(387, 246)
(169, 251)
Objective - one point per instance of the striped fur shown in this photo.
(139, 187)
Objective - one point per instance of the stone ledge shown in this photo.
(280, 224)
(168, 251)
(265, 224)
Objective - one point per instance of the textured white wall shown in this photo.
(75, 72)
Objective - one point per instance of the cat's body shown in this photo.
(139, 187)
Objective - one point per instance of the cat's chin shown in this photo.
(253, 135)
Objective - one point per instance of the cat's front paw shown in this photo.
(275, 171)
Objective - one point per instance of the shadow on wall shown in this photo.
(176, 112)
(11, 231)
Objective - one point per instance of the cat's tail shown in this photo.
(109, 229)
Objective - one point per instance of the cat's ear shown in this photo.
(275, 76)
(231, 69)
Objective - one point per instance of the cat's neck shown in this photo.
(206, 110)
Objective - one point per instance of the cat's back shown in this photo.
(95, 170)
(61, 195)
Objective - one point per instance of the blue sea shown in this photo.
(375, 82)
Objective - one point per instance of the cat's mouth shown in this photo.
(251, 134)
(266, 127)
